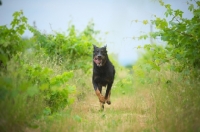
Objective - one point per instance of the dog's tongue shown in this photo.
(97, 61)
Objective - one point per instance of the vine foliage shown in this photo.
(181, 36)
(10, 40)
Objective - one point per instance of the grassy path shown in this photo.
(126, 113)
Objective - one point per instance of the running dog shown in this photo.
(103, 74)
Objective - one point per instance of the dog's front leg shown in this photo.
(108, 93)
(100, 96)
(98, 89)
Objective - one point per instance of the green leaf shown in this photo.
(198, 3)
(161, 3)
(24, 19)
(138, 47)
(169, 12)
(16, 14)
(143, 37)
(168, 6)
(191, 7)
(145, 22)
(147, 46)
(178, 13)
(21, 31)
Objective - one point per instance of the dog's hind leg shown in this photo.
(108, 99)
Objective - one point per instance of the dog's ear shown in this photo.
(94, 46)
(105, 46)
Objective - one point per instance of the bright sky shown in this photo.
(114, 19)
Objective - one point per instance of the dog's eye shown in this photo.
(102, 51)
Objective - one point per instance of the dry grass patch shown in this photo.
(126, 113)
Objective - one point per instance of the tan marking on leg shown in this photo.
(100, 96)
(108, 99)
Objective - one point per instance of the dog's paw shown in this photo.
(100, 96)
(108, 102)
(101, 99)
(101, 106)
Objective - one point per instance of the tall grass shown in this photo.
(23, 106)
(20, 103)
(177, 102)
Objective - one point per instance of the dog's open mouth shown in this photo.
(98, 61)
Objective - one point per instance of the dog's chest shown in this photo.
(102, 78)
(102, 73)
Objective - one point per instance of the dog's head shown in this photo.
(99, 56)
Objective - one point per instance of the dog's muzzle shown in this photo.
(98, 60)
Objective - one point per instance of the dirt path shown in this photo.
(127, 113)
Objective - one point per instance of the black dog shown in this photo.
(103, 74)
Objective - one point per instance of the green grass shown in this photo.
(125, 114)
(131, 110)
